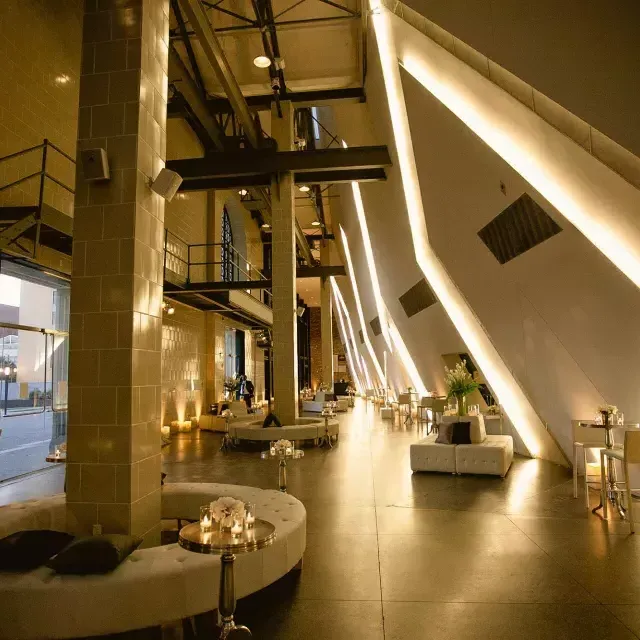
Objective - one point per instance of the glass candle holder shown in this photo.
(250, 515)
(237, 527)
(205, 518)
(272, 448)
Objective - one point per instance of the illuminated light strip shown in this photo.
(356, 296)
(343, 307)
(389, 329)
(524, 418)
(597, 201)
(345, 337)
(368, 250)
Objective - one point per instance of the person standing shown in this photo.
(248, 394)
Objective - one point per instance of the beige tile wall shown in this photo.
(116, 288)
(183, 364)
(40, 49)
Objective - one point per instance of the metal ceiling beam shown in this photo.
(193, 96)
(215, 55)
(182, 27)
(344, 176)
(261, 161)
(301, 98)
(281, 24)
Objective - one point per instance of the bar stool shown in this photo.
(426, 402)
(584, 438)
(404, 400)
(629, 454)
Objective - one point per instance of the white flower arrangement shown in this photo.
(281, 447)
(227, 414)
(225, 510)
(607, 408)
(459, 381)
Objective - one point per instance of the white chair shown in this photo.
(629, 454)
(426, 403)
(584, 438)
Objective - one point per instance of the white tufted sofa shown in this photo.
(491, 455)
(304, 429)
(238, 408)
(152, 586)
(317, 404)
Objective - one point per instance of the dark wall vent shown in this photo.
(361, 337)
(417, 298)
(375, 326)
(520, 227)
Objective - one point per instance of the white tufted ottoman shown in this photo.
(152, 586)
(304, 429)
(427, 455)
(493, 456)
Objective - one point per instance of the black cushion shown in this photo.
(97, 554)
(445, 433)
(26, 550)
(461, 433)
(271, 420)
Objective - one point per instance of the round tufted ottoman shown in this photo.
(152, 586)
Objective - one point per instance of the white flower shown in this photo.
(281, 446)
(225, 510)
(607, 408)
(227, 414)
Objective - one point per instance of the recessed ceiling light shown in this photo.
(315, 223)
(304, 188)
(243, 192)
(262, 62)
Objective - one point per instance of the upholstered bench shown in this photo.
(152, 586)
(493, 456)
(304, 429)
(490, 455)
(427, 455)
(238, 408)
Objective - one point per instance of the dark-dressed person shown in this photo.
(248, 393)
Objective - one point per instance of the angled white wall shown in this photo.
(561, 316)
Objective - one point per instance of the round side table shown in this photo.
(192, 538)
(295, 454)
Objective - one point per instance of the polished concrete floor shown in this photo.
(396, 555)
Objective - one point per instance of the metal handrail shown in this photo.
(42, 174)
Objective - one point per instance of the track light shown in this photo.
(304, 188)
(262, 62)
(315, 223)
(265, 225)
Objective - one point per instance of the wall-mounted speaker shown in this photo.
(166, 184)
(95, 165)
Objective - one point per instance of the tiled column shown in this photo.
(326, 320)
(285, 337)
(113, 470)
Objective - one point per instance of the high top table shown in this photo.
(224, 544)
(613, 493)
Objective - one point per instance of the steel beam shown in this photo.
(246, 163)
(301, 98)
(11, 234)
(212, 287)
(218, 61)
(192, 94)
(264, 179)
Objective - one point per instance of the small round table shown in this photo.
(192, 538)
(52, 457)
(613, 492)
(327, 412)
(295, 454)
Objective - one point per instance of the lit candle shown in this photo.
(236, 528)
(289, 451)
(273, 450)
(57, 453)
(205, 518)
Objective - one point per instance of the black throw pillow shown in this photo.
(26, 550)
(271, 420)
(97, 554)
(461, 433)
(445, 433)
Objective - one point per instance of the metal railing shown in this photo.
(210, 262)
(42, 173)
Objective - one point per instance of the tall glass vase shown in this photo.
(461, 401)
